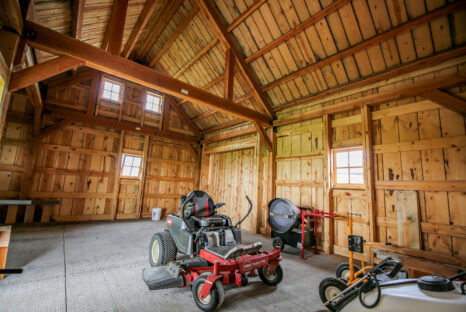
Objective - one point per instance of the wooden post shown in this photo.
(29, 215)
(11, 214)
(259, 150)
(369, 170)
(271, 174)
(328, 203)
(116, 187)
(142, 184)
(229, 74)
(93, 95)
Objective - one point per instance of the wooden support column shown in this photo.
(259, 150)
(229, 74)
(116, 187)
(165, 114)
(29, 167)
(93, 95)
(113, 38)
(328, 196)
(11, 214)
(271, 174)
(77, 20)
(369, 170)
(29, 214)
(142, 185)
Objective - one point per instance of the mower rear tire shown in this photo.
(271, 279)
(214, 299)
(278, 243)
(162, 249)
(329, 288)
(343, 270)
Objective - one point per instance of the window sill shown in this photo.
(349, 186)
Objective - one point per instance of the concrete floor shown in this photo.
(97, 267)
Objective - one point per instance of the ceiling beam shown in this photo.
(42, 71)
(401, 69)
(143, 18)
(158, 26)
(77, 19)
(446, 100)
(229, 74)
(297, 29)
(113, 39)
(379, 98)
(228, 41)
(206, 49)
(171, 100)
(53, 42)
(245, 14)
(449, 8)
(119, 125)
(229, 135)
(175, 35)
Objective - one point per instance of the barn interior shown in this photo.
(112, 110)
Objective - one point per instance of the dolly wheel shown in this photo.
(162, 249)
(343, 270)
(271, 279)
(329, 288)
(278, 243)
(215, 297)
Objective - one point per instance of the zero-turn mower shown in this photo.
(213, 253)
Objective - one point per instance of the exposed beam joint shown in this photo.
(370, 42)
(229, 42)
(448, 101)
(143, 18)
(53, 42)
(31, 75)
(264, 136)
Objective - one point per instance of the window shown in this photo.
(153, 102)
(348, 166)
(112, 91)
(131, 166)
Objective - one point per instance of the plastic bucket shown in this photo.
(156, 214)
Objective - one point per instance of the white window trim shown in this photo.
(334, 168)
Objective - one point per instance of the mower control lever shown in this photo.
(218, 205)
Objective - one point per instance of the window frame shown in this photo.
(102, 89)
(154, 94)
(334, 168)
(122, 166)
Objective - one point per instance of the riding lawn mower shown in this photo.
(214, 255)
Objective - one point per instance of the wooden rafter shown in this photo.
(228, 41)
(53, 42)
(229, 74)
(245, 14)
(175, 35)
(42, 71)
(449, 101)
(402, 69)
(114, 35)
(80, 77)
(449, 8)
(204, 115)
(183, 115)
(206, 49)
(54, 127)
(299, 28)
(77, 20)
(224, 126)
(379, 98)
(157, 27)
(230, 135)
(206, 87)
(143, 18)
(119, 125)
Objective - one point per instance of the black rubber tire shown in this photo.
(166, 249)
(278, 243)
(217, 293)
(330, 282)
(271, 280)
(343, 270)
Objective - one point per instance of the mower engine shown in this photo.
(285, 220)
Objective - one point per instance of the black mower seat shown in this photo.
(209, 221)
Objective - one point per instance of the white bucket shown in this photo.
(156, 214)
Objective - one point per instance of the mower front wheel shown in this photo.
(214, 299)
(162, 249)
(343, 270)
(329, 288)
(271, 279)
(278, 243)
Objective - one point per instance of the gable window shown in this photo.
(112, 91)
(348, 166)
(131, 166)
(153, 103)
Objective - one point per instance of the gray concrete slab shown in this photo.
(98, 266)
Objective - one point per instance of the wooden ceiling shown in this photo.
(290, 50)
